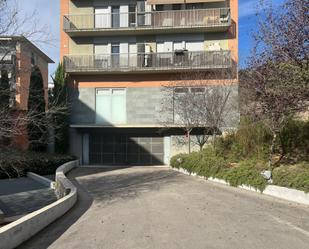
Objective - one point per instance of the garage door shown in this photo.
(124, 149)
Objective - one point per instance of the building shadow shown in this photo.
(52, 232)
(124, 183)
(102, 186)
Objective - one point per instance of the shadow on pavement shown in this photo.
(104, 186)
(108, 187)
(53, 231)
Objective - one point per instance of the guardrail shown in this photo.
(148, 61)
(215, 17)
(19, 231)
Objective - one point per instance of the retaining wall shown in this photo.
(21, 230)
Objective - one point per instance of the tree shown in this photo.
(14, 22)
(59, 97)
(4, 105)
(276, 82)
(37, 134)
(195, 104)
(4, 90)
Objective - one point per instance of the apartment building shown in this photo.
(120, 54)
(18, 58)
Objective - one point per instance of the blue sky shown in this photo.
(48, 13)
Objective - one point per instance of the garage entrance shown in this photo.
(124, 149)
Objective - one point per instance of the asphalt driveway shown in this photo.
(148, 207)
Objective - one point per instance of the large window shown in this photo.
(111, 106)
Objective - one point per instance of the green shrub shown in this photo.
(239, 157)
(204, 163)
(177, 161)
(244, 174)
(295, 176)
(15, 163)
(250, 140)
(294, 139)
(210, 163)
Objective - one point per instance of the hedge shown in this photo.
(14, 163)
(208, 164)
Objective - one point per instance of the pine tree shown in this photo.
(37, 133)
(60, 98)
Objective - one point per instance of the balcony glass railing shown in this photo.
(148, 61)
(218, 17)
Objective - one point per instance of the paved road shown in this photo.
(147, 207)
(20, 196)
(18, 185)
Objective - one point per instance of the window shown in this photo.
(132, 15)
(115, 16)
(111, 106)
(103, 17)
(181, 90)
(115, 55)
(197, 90)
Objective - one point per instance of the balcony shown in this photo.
(198, 20)
(148, 62)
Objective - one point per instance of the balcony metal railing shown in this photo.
(148, 61)
(218, 17)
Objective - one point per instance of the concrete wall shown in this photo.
(75, 141)
(143, 106)
(21, 230)
(81, 45)
(82, 105)
(220, 38)
(180, 144)
(81, 7)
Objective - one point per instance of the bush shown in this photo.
(15, 163)
(294, 139)
(241, 156)
(204, 163)
(245, 173)
(292, 176)
(250, 140)
(177, 161)
(210, 164)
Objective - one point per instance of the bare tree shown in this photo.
(14, 121)
(276, 82)
(197, 104)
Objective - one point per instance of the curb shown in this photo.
(1, 216)
(287, 194)
(46, 182)
(30, 224)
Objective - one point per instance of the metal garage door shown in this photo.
(122, 149)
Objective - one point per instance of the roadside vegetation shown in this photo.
(241, 156)
(16, 163)
(43, 125)
(273, 135)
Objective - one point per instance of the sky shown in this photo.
(48, 12)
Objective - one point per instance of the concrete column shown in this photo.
(167, 150)
(86, 148)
